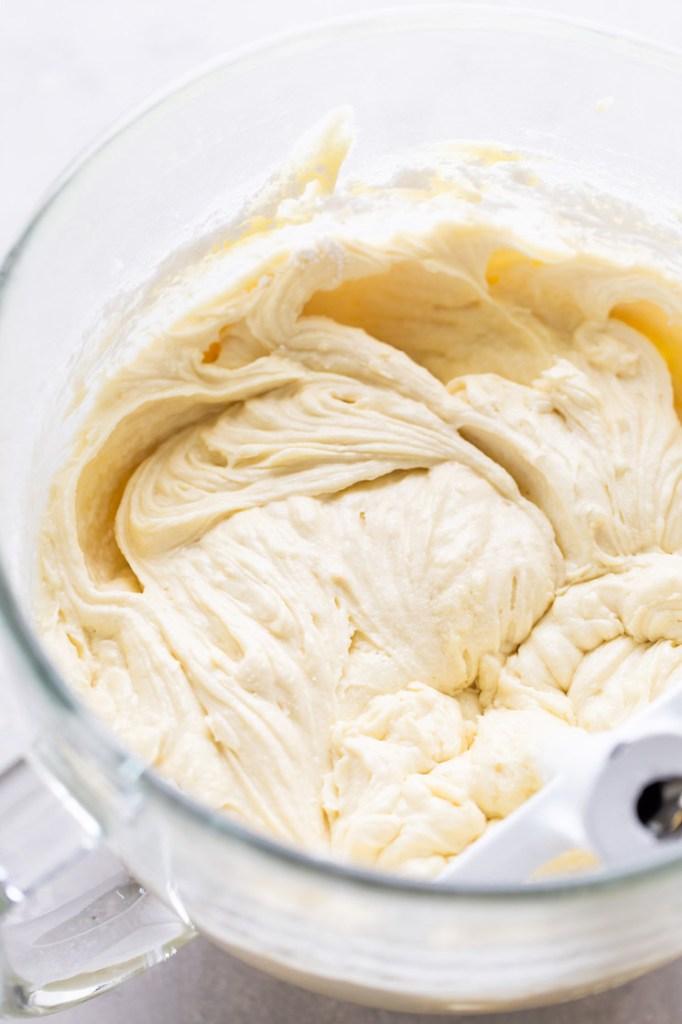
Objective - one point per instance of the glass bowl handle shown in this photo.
(73, 923)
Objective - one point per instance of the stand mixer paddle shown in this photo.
(616, 796)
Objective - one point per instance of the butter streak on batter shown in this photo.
(387, 499)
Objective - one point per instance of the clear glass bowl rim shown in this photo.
(447, 17)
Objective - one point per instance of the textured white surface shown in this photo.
(67, 70)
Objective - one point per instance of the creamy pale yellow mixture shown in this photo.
(384, 497)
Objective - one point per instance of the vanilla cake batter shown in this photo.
(385, 496)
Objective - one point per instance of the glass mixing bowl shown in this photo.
(150, 197)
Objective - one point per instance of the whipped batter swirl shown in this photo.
(388, 496)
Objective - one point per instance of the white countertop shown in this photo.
(68, 68)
